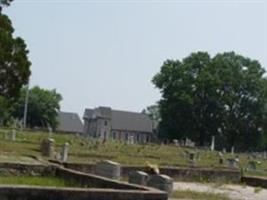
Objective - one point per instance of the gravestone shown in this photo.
(189, 143)
(252, 165)
(64, 153)
(50, 131)
(232, 163)
(131, 140)
(192, 159)
(175, 142)
(224, 151)
(233, 150)
(212, 146)
(47, 147)
(13, 135)
(161, 182)
(192, 156)
(108, 169)
(138, 177)
(221, 158)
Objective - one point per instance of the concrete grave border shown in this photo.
(107, 189)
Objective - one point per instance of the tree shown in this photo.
(4, 110)
(153, 112)
(5, 2)
(223, 96)
(43, 107)
(14, 63)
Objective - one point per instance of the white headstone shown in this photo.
(232, 163)
(138, 177)
(108, 169)
(161, 182)
(186, 142)
(233, 150)
(212, 143)
(131, 140)
(64, 153)
(13, 135)
(50, 131)
(47, 147)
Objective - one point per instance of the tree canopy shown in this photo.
(14, 62)
(5, 2)
(153, 112)
(224, 96)
(43, 107)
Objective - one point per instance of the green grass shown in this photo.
(37, 181)
(187, 194)
(27, 147)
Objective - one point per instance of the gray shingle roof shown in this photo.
(69, 122)
(122, 120)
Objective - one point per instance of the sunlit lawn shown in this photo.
(37, 181)
(27, 145)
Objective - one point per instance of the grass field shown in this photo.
(37, 181)
(27, 145)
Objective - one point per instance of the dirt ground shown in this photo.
(235, 192)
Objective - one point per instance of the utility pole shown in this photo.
(26, 106)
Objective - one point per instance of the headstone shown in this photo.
(47, 147)
(212, 143)
(161, 182)
(175, 142)
(186, 142)
(131, 140)
(233, 150)
(252, 165)
(221, 158)
(192, 156)
(192, 159)
(138, 177)
(264, 155)
(13, 135)
(224, 151)
(108, 169)
(254, 155)
(64, 153)
(232, 163)
(50, 131)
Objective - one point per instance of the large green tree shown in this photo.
(14, 62)
(223, 96)
(43, 107)
(153, 112)
(5, 2)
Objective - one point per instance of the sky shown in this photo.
(105, 53)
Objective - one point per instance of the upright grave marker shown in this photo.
(64, 153)
(138, 177)
(212, 146)
(108, 169)
(233, 150)
(161, 182)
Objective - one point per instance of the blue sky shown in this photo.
(106, 52)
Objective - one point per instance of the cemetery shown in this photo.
(36, 163)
